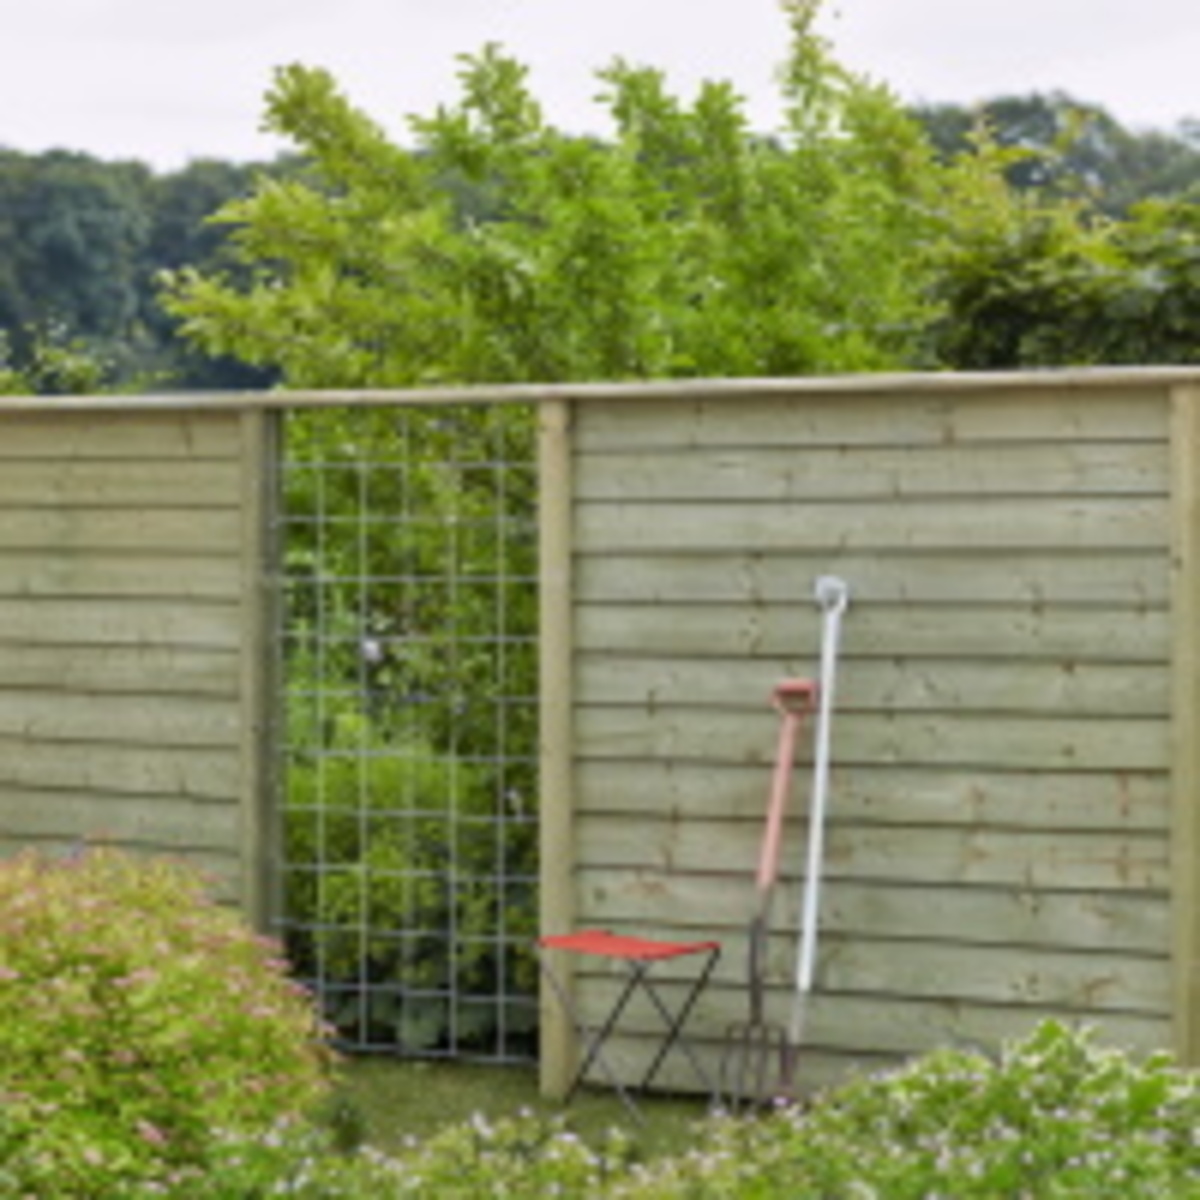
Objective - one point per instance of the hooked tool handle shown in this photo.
(832, 596)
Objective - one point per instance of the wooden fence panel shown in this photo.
(1001, 810)
(132, 569)
(1014, 822)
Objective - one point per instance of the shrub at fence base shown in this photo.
(141, 1020)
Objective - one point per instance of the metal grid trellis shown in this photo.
(408, 764)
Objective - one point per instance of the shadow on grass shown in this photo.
(401, 1099)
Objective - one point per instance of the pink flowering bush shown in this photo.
(141, 1021)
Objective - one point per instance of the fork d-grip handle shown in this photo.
(794, 699)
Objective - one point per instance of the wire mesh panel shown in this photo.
(407, 780)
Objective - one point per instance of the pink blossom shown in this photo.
(151, 1133)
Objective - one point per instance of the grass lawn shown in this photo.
(401, 1099)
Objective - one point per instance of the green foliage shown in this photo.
(1039, 274)
(518, 1156)
(408, 899)
(82, 241)
(501, 249)
(12, 381)
(140, 1018)
(53, 363)
(443, 547)
(71, 232)
(81, 244)
(1072, 148)
(294, 1159)
(1056, 1116)
(1028, 280)
(685, 245)
(411, 671)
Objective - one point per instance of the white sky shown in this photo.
(170, 80)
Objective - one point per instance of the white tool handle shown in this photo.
(833, 595)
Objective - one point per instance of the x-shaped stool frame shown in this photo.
(638, 956)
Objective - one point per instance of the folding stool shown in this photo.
(638, 956)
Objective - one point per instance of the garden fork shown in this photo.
(756, 1049)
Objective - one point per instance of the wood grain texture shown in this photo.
(888, 794)
(1185, 724)
(958, 631)
(999, 845)
(1013, 829)
(557, 840)
(1059, 980)
(202, 773)
(118, 483)
(1104, 577)
(123, 574)
(159, 823)
(896, 1025)
(55, 433)
(123, 633)
(942, 856)
(1032, 415)
(818, 474)
(167, 532)
(68, 622)
(256, 841)
(721, 905)
(1065, 688)
(130, 719)
(1021, 524)
(949, 739)
(1040, 386)
(96, 671)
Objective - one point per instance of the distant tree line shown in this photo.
(84, 244)
(1075, 149)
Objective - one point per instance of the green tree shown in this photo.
(52, 363)
(1028, 279)
(82, 242)
(684, 245)
(72, 234)
(1072, 148)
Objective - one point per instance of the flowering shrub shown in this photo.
(523, 1156)
(1057, 1116)
(141, 1020)
(174, 1059)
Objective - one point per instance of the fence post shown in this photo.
(556, 687)
(1185, 720)
(257, 675)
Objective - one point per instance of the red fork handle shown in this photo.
(794, 699)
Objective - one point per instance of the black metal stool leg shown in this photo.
(675, 1023)
(594, 1040)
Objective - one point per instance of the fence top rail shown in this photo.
(917, 383)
